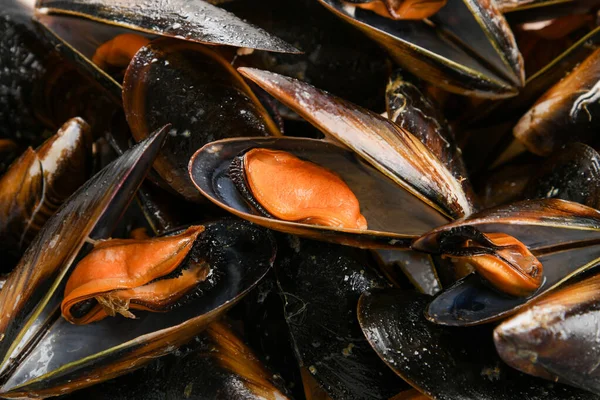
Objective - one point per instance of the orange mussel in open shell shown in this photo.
(123, 274)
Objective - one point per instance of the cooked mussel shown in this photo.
(38, 182)
(466, 48)
(565, 113)
(280, 185)
(391, 149)
(395, 217)
(500, 259)
(543, 339)
(562, 235)
(213, 102)
(400, 9)
(240, 253)
(120, 275)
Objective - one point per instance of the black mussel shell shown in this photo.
(442, 362)
(199, 93)
(320, 285)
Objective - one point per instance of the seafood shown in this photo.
(400, 9)
(413, 221)
(316, 196)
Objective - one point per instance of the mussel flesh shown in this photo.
(502, 260)
(400, 9)
(123, 274)
(279, 184)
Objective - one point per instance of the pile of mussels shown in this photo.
(302, 199)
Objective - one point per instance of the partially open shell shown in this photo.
(430, 51)
(564, 236)
(394, 215)
(392, 150)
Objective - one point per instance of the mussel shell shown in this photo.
(395, 152)
(91, 212)
(418, 267)
(571, 173)
(394, 216)
(217, 364)
(240, 253)
(471, 301)
(562, 235)
(446, 363)
(23, 58)
(199, 93)
(540, 224)
(492, 122)
(556, 337)
(431, 55)
(191, 20)
(566, 112)
(414, 111)
(320, 285)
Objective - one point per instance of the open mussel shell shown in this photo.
(430, 51)
(393, 215)
(199, 93)
(392, 150)
(570, 173)
(26, 299)
(239, 253)
(556, 337)
(216, 365)
(320, 284)
(195, 20)
(446, 363)
(564, 236)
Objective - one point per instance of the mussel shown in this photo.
(279, 184)
(566, 112)
(500, 259)
(400, 9)
(38, 182)
(151, 275)
(542, 339)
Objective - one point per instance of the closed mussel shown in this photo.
(542, 339)
(213, 102)
(39, 181)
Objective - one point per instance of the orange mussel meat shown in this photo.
(280, 185)
(510, 267)
(123, 274)
(401, 9)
